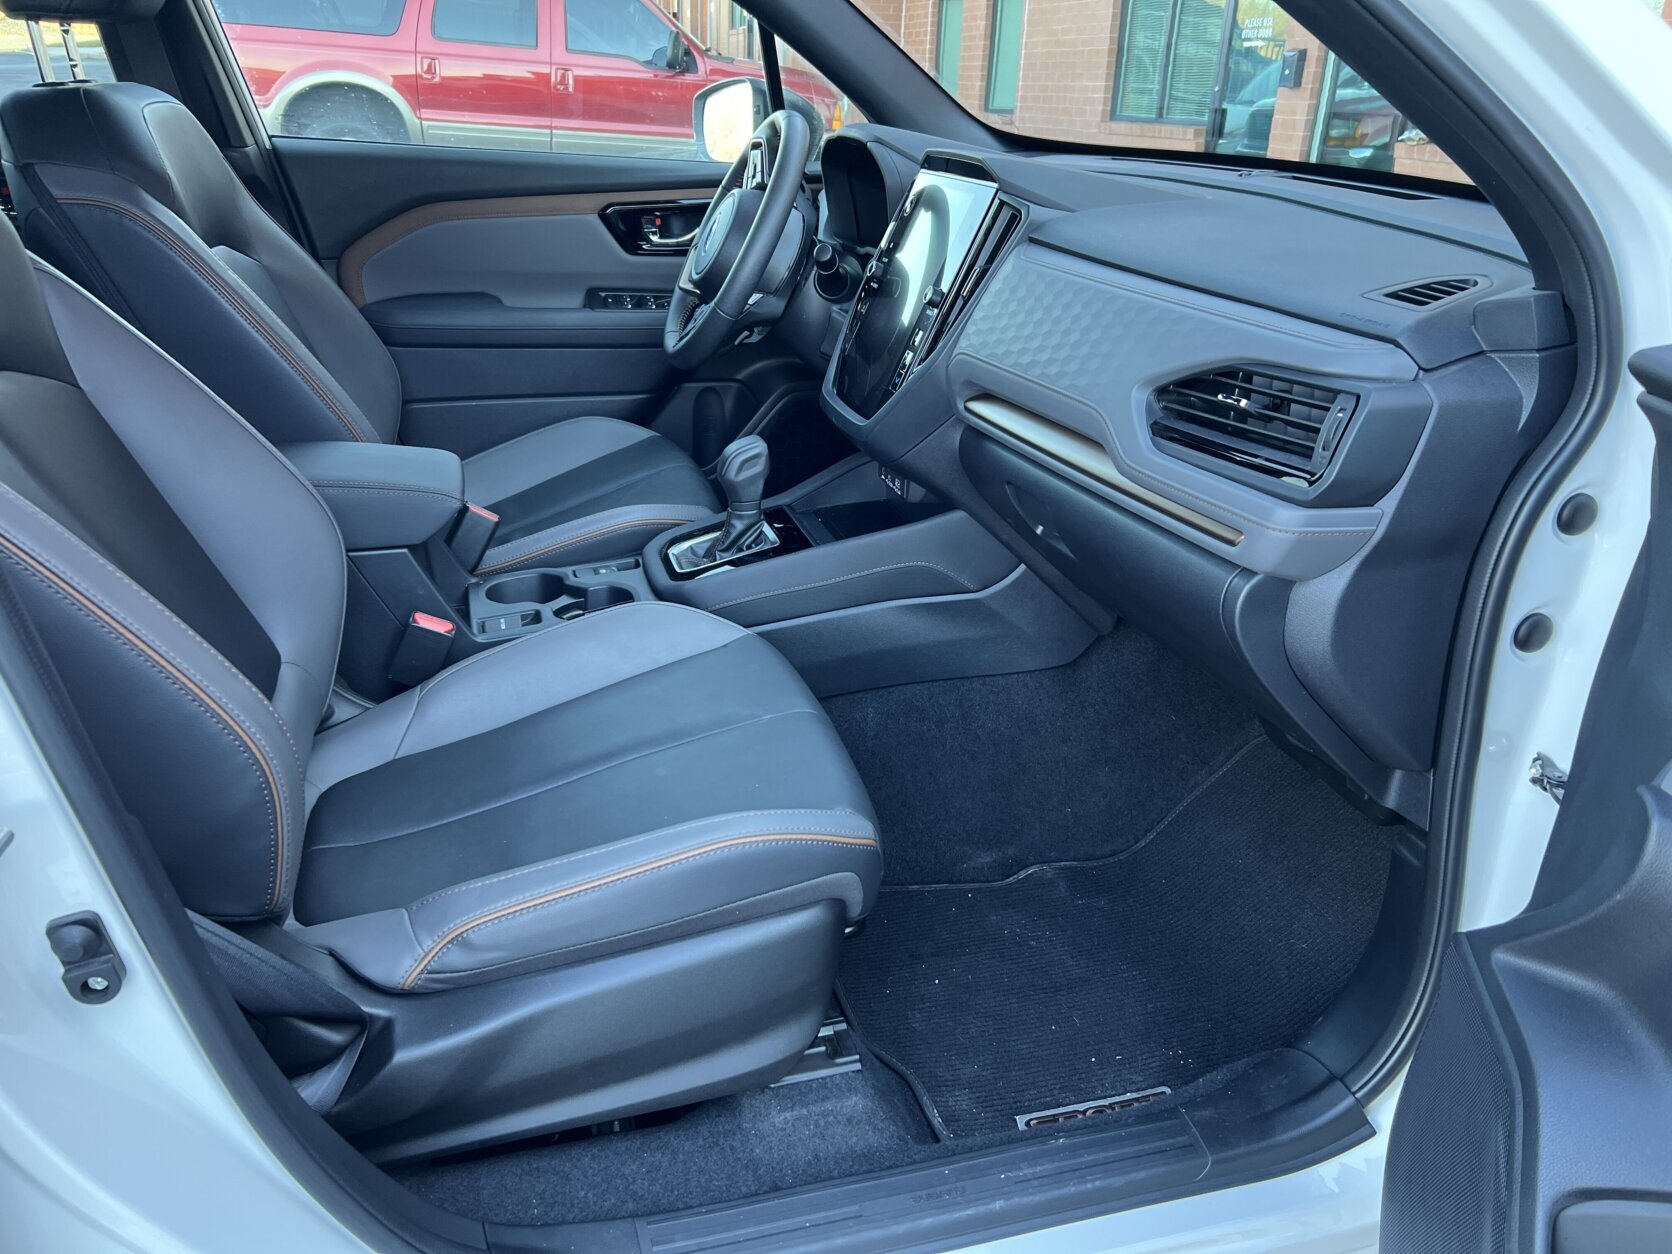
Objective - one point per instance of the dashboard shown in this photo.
(1263, 415)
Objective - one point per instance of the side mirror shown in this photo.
(677, 56)
(725, 114)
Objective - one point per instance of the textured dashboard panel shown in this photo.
(1054, 317)
(1064, 330)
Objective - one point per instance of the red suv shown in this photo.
(565, 75)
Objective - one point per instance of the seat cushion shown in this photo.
(631, 776)
(581, 490)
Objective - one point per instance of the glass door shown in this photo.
(1250, 72)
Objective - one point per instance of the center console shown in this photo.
(860, 576)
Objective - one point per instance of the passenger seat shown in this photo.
(120, 187)
(603, 869)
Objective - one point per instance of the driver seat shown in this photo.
(120, 187)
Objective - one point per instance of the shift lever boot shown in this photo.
(742, 473)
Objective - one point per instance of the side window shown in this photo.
(508, 23)
(618, 77)
(616, 28)
(367, 17)
(17, 61)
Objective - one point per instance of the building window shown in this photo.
(1004, 64)
(949, 43)
(1169, 58)
(738, 18)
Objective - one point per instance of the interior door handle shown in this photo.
(654, 237)
(429, 69)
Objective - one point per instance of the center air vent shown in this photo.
(1274, 425)
(1430, 292)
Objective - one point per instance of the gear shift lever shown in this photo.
(742, 472)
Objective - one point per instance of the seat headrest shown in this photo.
(81, 10)
(28, 342)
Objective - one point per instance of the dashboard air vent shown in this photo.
(1270, 424)
(1431, 292)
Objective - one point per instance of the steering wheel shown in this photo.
(717, 298)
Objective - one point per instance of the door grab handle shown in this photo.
(656, 239)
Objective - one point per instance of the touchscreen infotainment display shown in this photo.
(907, 283)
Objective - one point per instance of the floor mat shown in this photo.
(751, 1143)
(975, 779)
(1222, 932)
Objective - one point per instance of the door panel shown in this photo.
(344, 191)
(485, 273)
(531, 251)
(1536, 1110)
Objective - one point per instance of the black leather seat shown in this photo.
(118, 186)
(602, 869)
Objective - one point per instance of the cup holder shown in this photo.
(604, 595)
(532, 600)
(539, 587)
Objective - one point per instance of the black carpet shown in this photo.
(1216, 897)
(1223, 932)
(736, 1147)
(975, 779)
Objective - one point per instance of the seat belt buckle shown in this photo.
(472, 535)
(423, 648)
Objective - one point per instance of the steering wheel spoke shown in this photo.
(717, 292)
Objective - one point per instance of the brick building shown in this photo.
(1235, 75)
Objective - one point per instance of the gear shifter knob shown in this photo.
(742, 472)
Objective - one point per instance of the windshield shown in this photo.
(1231, 76)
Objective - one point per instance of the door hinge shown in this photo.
(92, 971)
(1547, 777)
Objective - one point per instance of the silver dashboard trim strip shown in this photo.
(1070, 448)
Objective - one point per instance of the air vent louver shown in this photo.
(1432, 292)
(1274, 425)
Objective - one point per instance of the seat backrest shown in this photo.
(120, 187)
(186, 583)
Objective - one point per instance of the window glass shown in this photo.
(1005, 63)
(1192, 63)
(1240, 77)
(17, 60)
(510, 23)
(622, 28)
(1143, 52)
(950, 43)
(370, 17)
(619, 77)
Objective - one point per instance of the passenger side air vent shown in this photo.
(1270, 424)
(1432, 292)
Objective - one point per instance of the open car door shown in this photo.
(1537, 1113)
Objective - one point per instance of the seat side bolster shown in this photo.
(203, 760)
(705, 873)
(227, 484)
